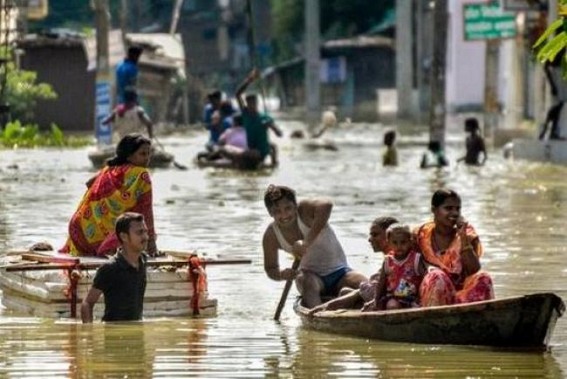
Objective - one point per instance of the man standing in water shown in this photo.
(123, 279)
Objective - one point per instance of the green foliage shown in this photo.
(16, 135)
(554, 40)
(339, 19)
(22, 93)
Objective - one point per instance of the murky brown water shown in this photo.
(518, 208)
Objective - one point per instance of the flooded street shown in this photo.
(519, 210)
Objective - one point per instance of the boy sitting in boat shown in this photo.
(401, 274)
(129, 117)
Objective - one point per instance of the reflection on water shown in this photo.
(518, 209)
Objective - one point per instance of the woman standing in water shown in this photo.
(451, 245)
(123, 185)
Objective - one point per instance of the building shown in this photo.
(352, 70)
(67, 61)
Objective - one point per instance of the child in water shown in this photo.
(434, 156)
(474, 144)
(402, 272)
(390, 157)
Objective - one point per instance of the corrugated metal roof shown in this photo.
(163, 45)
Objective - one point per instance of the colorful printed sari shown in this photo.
(448, 284)
(115, 190)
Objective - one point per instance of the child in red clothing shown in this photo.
(402, 272)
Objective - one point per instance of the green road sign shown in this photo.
(488, 21)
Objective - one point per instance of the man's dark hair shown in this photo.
(274, 194)
(471, 124)
(384, 222)
(214, 95)
(389, 137)
(124, 221)
(134, 52)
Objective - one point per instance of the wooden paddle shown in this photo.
(175, 163)
(94, 265)
(285, 292)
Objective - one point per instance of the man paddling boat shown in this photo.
(303, 230)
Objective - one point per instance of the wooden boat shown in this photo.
(159, 158)
(228, 165)
(522, 321)
(48, 284)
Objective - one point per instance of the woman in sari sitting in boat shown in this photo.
(123, 185)
(451, 245)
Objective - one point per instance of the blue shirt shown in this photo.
(126, 77)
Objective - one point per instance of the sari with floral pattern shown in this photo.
(115, 190)
(446, 283)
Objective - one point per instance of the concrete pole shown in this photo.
(491, 65)
(102, 86)
(312, 62)
(404, 58)
(124, 19)
(438, 107)
(175, 16)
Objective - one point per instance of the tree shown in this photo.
(22, 92)
(339, 19)
(554, 39)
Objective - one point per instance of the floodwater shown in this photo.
(518, 208)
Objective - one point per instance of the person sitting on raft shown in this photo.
(129, 117)
(451, 245)
(123, 185)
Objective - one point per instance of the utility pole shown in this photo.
(492, 58)
(404, 58)
(438, 109)
(103, 133)
(312, 61)
(124, 19)
(175, 16)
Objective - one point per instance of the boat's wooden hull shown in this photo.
(46, 292)
(158, 159)
(522, 321)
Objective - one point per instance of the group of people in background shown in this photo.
(434, 156)
(241, 138)
(436, 263)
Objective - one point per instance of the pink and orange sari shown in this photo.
(448, 284)
(115, 190)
